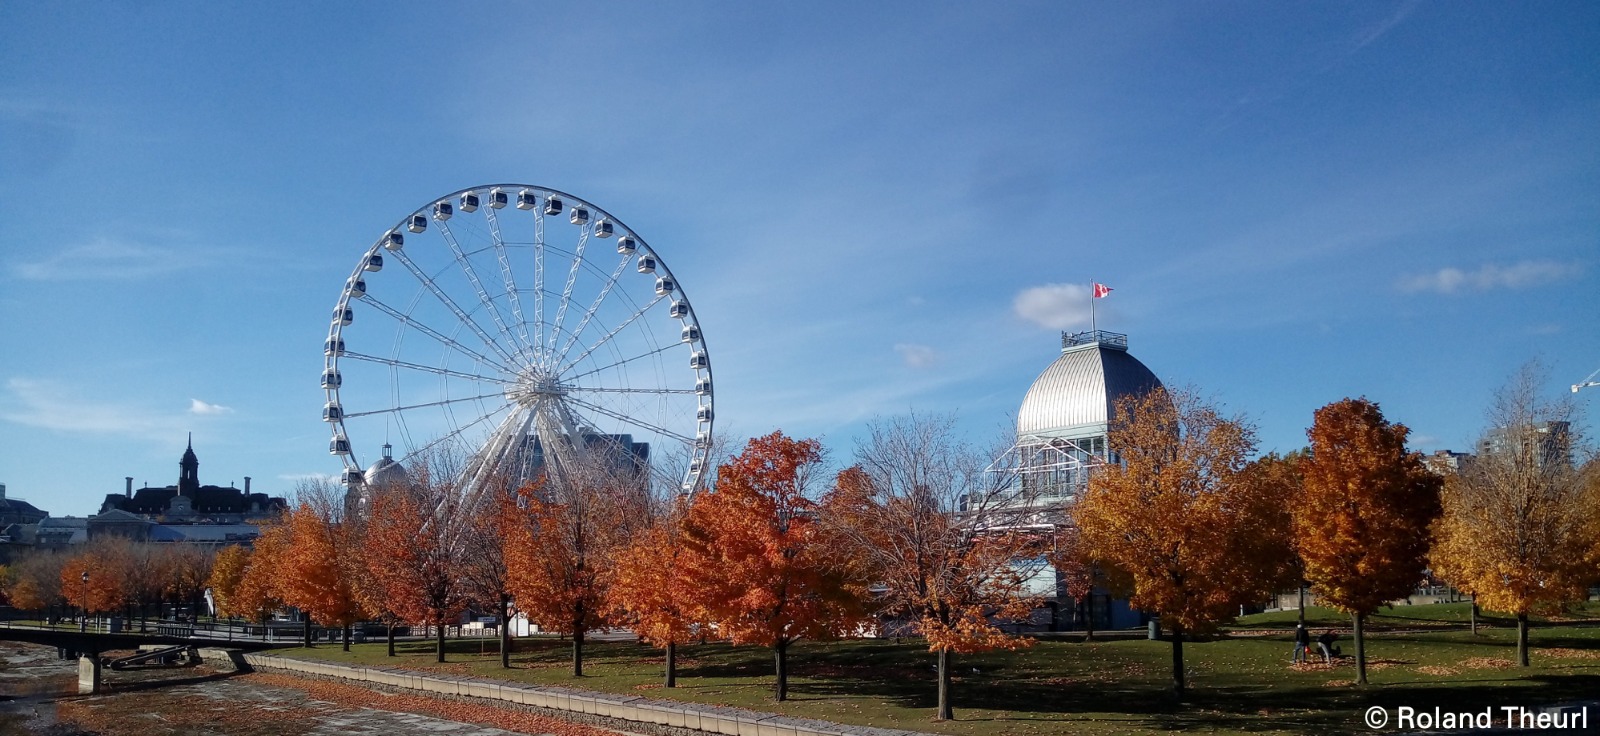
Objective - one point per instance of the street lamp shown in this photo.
(83, 623)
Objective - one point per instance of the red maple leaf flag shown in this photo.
(1101, 290)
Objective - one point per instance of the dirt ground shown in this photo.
(38, 697)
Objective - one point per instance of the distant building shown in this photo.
(18, 511)
(1447, 462)
(189, 502)
(1551, 442)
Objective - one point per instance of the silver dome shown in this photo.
(386, 471)
(1075, 395)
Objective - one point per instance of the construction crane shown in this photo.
(1587, 382)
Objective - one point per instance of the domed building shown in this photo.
(1065, 416)
(386, 472)
(1062, 430)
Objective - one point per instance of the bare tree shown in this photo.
(948, 547)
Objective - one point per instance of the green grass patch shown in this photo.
(1241, 684)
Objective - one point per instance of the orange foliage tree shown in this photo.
(1517, 526)
(1363, 518)
(35, 582)
(560, 539)
(314, 573)
(257, 595)
(104, 592)
(754, 549)
(651, 589)
(950, 547)
(1177, 524)
(227, 574)
(412, 547)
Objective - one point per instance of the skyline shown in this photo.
(874, 210)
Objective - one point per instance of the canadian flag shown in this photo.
(1101, 290)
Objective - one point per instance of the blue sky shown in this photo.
(875, 207)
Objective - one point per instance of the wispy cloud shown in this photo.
(202, 408)
(1377, 30)
(916, 356)
(308, 477)
(1056, 306)
(105, 259)
(53, 406)
(1523, 274)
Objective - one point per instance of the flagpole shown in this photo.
(1094, 326)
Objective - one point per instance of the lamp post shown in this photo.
(83, 623)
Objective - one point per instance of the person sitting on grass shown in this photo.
(1329, 651)
(1302, 644)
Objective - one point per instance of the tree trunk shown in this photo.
(391, 638)
(307, 630)
(1087, 604)
(1361, 648)
(946, 711)
(347, 637)
(1522, 639)
(1177, 659)
(1302, 603)
(780, 653)
(439, 632)
(505, 632)
(577, 651)
(1474, 614)
(672, 664)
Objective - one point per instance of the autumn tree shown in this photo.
(562, 536)
(950, 546)
(1362, 524)
(754, 547)
(1178, 525)
(227, 573)
(1075, 571)
(1517, 529)
(483, 564)
(314, 574)
(35, 582)
(412, 544)
(651, 589)
(257, 595)
(186, 568)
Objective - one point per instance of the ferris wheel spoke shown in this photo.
(497, 394)
(457, 432)
(506, 275)
(588, 314)
(597, 389)
(404, 319)
(538, 286)
(596, 408)
(624, 361)
(450, 304)
(613, 333)
(426, 368)
(477, 284)
(566, 293)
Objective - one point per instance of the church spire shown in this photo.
(189, 472)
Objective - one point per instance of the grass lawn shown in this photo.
(1241, 684)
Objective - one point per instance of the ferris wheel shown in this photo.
(526, 325)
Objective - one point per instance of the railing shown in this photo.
(1088, 337)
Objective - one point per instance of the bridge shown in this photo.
(88, 645)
